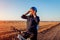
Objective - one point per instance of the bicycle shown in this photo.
(20, 34)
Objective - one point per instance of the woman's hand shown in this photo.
(27, 13)
(34, 14)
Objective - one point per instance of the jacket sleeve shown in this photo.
(37, 19)
(24, 16)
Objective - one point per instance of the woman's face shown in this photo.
(32, 12)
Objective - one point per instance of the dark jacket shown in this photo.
(31, 22)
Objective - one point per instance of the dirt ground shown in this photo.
(48, 30)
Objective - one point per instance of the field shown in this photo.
(6, 32)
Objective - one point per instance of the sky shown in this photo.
(47, 10)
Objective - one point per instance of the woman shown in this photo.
(32, 22)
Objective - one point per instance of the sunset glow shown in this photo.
(48, 10)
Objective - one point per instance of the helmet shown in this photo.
(34, 8)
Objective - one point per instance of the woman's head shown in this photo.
(33, 10)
